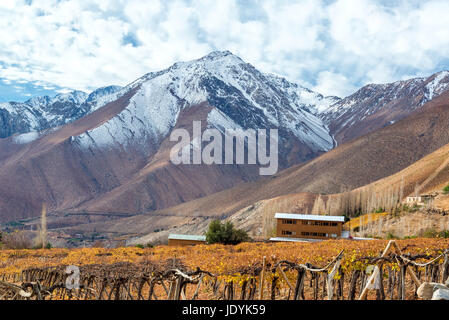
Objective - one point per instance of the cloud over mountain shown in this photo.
(330, 46)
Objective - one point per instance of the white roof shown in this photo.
(186, 237)
(295, 216)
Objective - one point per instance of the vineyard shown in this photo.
(328, 270)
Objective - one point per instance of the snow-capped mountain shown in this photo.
(315, 102)
(115, 157)
(243, 98)
(41, 113)
(377, 105)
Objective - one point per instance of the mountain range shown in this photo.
(101, 160)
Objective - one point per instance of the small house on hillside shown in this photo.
(297, 227)
(185, 240)
(420, 200)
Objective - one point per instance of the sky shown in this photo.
(331, 46)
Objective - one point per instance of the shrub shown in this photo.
(143, 246)
(225, 233)
(430, 233)
(391, 236)
(444, 234)
(446, 189)
(38, 244)
(16, 240)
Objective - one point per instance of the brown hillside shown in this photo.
(107, 180)
(365, 160)
(40, 171)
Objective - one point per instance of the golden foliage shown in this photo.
(228, 262)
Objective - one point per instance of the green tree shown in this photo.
(446, 189)
(225, 233)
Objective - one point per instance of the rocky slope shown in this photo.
(378, 105)
(41, 113)
(414, 149)
(112, 147)
(116, 158)
(242, 96)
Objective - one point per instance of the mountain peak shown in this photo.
(219, 54)
(215, 57)
(103, 91)
(75, 96)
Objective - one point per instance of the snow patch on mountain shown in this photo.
(221, 121)
(243, 96)
(26, 137)
(374, 97)
(302, 96)
(41, 113)
(438, 85)
(143, 119)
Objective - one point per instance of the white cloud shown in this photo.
(331, 47)
(328, 83)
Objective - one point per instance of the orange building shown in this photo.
(297, 227)
(185, 240)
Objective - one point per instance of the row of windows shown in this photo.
(312, 223)
(285, 221)
(318, 234)
(309, 234)
(320, 223)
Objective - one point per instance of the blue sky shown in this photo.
(333, 47)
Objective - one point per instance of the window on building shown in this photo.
(288, 233)
(288, 221)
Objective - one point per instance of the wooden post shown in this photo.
(284, 276)
(243, 292)
(376, 270)
(374, 275)
(330, 277)
(445, 268)
(262, 279)
(178, 287)
(409, 269)
(171, 290)
(403, 272)
(197, 290)
(273, 287)
(353, 284)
